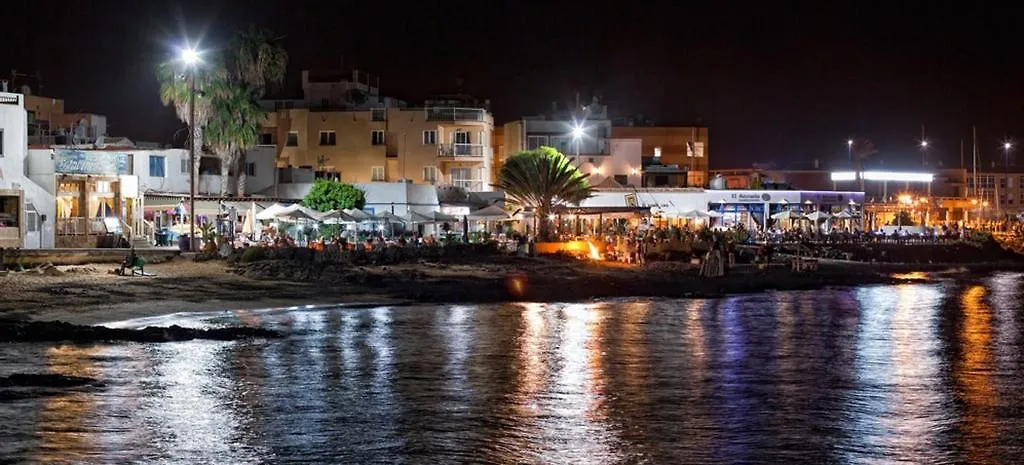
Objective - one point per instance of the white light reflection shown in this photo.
(898, 403)
(192, 412)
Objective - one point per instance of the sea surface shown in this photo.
(916, 373)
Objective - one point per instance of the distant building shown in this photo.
(674, 156)
(344, 129)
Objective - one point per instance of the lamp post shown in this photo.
(190, 57)
(849, 150)
(924, 153)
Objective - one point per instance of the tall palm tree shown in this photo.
(175, 89)
(256, 59)
(541, 180)
(234, 124)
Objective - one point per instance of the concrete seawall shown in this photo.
(35, 257)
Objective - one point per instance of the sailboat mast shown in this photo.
(975, 177)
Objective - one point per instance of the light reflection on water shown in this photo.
(914, 373)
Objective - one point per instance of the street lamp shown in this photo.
(577, 136)
(849, 150)
(190, 57)
(924, 152)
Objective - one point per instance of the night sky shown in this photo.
(783, 85)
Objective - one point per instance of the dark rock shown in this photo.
(44, 380)
(59, 331)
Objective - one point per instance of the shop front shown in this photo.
(96, 197)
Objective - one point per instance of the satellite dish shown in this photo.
(25, 89)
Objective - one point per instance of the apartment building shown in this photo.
(347, 131)
(675, 156)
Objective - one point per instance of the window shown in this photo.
(184, 165)
(461, 137)
(156, 166)
(461, 177)
(293, 139)
(535, 142)
(1002, 182)
(430, 137)
(622, 179)
(266, 139)
(562, 144)
(377, 173)
(250, 169)
(328, 138)
(377, 137)
(695, 149)
(1, 142)
(430, 174)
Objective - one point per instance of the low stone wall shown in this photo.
(36, 257)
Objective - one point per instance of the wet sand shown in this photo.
(90, 295)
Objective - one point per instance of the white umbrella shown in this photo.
(430, 217)
(817, 216)
(491, 213)
(844, 214)
(360, 215)
(270, 212)
(298, 212)
(785, 215)
(389, 217)
(337, 217)
(708, 214)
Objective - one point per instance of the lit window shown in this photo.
(430, 174)
(328, 138)
(377, 173)
(157, 164)
(377, 137)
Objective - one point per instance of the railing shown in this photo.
(77, 226)
(379, 114)
(468, 184)
(461, 150)
(455, 114)
(148, 230)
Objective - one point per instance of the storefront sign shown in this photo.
(832, 198)
(92, 162)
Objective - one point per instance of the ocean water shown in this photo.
(916, 373)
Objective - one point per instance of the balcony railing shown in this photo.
(466, 183)
(77, 226)
(462, 150)
(455, 114)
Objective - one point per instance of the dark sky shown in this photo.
(774, 84)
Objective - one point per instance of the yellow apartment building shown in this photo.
(430, 145)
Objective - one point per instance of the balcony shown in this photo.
(473, 185)
(472, 151)
(455, 114)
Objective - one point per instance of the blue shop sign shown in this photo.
(92, 162)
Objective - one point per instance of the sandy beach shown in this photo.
(91, 295)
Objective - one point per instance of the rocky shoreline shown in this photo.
(60, 331)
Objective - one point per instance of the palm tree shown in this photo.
(175, 89)
(541, 180)
(257, 60)
(234, 124)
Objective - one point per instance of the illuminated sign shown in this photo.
(897, 176)
(844, 176)
(91, 162)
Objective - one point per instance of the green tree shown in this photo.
(327, 195)
(230, 84)
(257, 60)
(175, 89)
(541, 180)
(233, 127)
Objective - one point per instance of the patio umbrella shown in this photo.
(337, 217)
(785, 215)
(708, 214)
(844, 215)
(817, 216)
(270, 212)
(491, 213)
(298, 212)
(359, 215)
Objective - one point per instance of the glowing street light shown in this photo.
(924, 144)
(577, 137)
(190, 57)
(849, 149)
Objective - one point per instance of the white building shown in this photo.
(25, 219)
